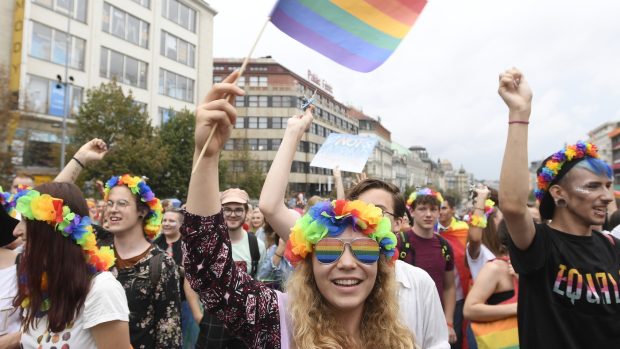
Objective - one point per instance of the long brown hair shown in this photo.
(315, 325)
(47, 251)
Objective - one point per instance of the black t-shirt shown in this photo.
(568, 291)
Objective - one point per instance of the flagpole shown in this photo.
(231, 97)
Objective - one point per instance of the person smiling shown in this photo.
(342, 294)
(568, 273)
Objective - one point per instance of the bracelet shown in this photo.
(281, 256)
(78, 162)
(518, 122)
(449, 324)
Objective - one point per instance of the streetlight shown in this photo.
(67, 112)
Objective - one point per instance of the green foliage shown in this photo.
(111, 115)
(134, 145)
(252, 177)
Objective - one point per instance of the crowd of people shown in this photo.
(367, 268)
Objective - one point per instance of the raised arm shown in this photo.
(514, 191)
(486, 284)
(94, 150)
(271, 202)
(338, 183)
(475, 233)
(248, 309)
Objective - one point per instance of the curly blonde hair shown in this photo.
(315, 325)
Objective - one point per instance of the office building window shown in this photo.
(229, 145)
(125, 26)
(144, 3)
(176, 86)
(263, 144)
(143, 106)
(275, 144)
(179, 14)
(74, 8)
(252, 101)
(262, 122)
(218, 78)
(252, 122)
(237, 166)
(124, 69)
(253, 144)
(263, 101)
(165, 115)
(276, 101)
(46, 96)
(258, 81)
(177, 49)
(240, 101)
(51, 45)
(276, 123)
(239, 123)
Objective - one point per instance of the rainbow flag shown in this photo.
(359, 34)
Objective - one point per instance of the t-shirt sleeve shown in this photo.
(105, 302)
(533, 258)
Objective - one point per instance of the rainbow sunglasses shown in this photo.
(329, 250)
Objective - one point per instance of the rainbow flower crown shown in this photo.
(8, 200)
(424, 192)
(139, 187)
(33, 205)
(554, 165)
(481, 221)
(331, 219)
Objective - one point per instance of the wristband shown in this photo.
(281, 256)
(78, 162)
(518, 122)
(449, 324)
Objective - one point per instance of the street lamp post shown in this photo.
(65, 84)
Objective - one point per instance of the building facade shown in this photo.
(379, 163)
(273, 94)
(600, 137)
(160, 50)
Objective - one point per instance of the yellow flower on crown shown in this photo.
(43, 208)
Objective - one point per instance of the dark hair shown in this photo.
(614, 220)
(47, 251)
(450, 200)
(503, 238)
(425, 200)
(371, 183)
(491, 236)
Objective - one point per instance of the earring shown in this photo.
(560, 203)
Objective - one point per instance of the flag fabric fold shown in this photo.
(359, 34)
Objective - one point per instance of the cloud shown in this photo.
(439, 89)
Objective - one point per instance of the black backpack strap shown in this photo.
(155, 266)
(406, 249)
(254, 253)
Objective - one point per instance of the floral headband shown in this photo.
(8, 200)
(549, 171)
(139, 187)
(33, 205)
(331, 219)
(424, 192)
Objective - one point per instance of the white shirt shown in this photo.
(105, 302)
(9, 318)
(241, 253)
(616, 232)
(420, 307)
(475, 265)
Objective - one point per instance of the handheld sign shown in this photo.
(350, 152)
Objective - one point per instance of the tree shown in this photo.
(245, 173)
(134, 145)
(8, 119)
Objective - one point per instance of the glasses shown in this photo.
(329, 250)
(120, 204)
(230, 211)
(389, 213)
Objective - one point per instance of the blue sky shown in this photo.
(439, 89)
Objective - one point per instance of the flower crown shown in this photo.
(33, 205)
(331, 219)
(424, 192)
(553, 166)
(8, 200)
(139, 187)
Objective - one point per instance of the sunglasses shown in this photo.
(329, 250)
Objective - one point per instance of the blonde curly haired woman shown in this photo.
(342, 294)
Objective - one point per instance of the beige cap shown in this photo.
(235, 195)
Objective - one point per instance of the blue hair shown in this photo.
(596, 166)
